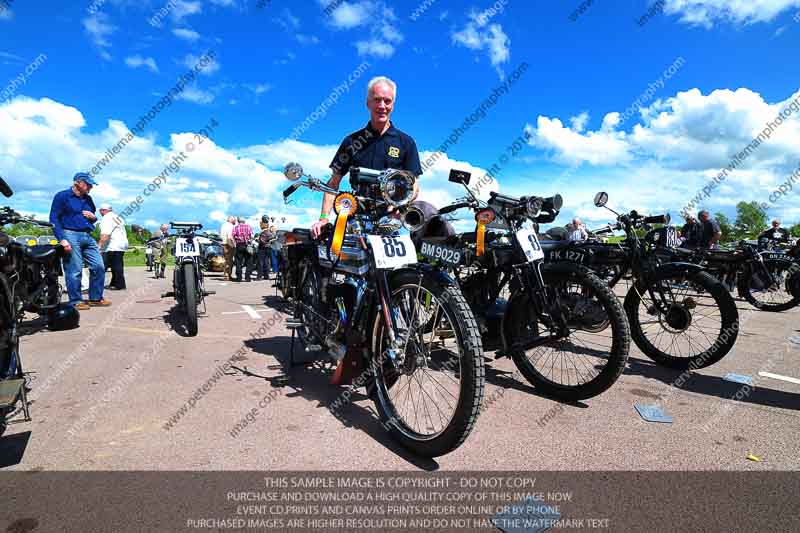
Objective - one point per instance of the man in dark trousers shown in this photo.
(72, 216)
(242, 236)
(264, 249)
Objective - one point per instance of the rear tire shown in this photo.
(190, 298)
(720, 339)
(470, 371)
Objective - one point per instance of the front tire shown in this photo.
(698, 329)
(592, 357)
(452, 365)
(774, 294)
(190, 298)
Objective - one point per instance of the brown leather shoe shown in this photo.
(83, 306)
(99, 303)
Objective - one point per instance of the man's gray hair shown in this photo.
(240, 220)
(381, 79)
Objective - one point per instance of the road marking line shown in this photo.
(777, 376)
(252, 312)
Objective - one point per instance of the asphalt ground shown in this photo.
(103, 395)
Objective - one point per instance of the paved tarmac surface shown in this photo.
(104, 394)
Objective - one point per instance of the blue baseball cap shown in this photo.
(84, 176)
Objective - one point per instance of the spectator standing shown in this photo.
(691, 232)
(73, 218)
(577, 231)
(163, 255)
(711, 232)
(228, 246)
(157, 242)
(776, 233)
(242, 235)
(113, 242)
(264, 249)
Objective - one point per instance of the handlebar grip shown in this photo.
(602, 231)
(656, 219)
(290, 189)
(503, 197)
(454, 207)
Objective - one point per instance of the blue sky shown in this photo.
(106, 65)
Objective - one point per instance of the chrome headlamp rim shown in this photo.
(386, 181)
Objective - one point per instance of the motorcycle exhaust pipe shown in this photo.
(413, 219)
(417, 215)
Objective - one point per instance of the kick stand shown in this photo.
(292, 324)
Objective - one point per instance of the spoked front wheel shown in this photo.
(693, 322)
(428, 382)
(588, 360)
(190, 298)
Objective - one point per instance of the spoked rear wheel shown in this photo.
(429, 384)
(694, 325)
(771, 288)
(591, 358)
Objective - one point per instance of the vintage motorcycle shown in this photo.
(398, 327)
(680, 316)
(564, 329)
(768, 278)
(28, 281)
(187, 278)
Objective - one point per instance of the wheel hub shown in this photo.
(678, 318)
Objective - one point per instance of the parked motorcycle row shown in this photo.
(410, 315)
(29, 272)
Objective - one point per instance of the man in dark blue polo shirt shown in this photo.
(378, 146)
(73, 218)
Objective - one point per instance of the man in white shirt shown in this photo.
(577, 231)
(228, 246)
(113, 243)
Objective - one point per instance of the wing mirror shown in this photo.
(601, 199)
(293, 171)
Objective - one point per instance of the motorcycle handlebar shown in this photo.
(454, 207)
(290, 189)
(655, 219)
(602, 231)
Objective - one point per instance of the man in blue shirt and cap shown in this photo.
(73, 218)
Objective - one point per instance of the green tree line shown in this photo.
(751, 221)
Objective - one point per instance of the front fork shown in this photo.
(545, 300)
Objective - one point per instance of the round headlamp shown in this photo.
(345, 203)
(533, 206)
(397, 187)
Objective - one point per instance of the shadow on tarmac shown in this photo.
(12, 448)
(714, 386)
(310, 379)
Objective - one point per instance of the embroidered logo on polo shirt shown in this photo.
(394, 152)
